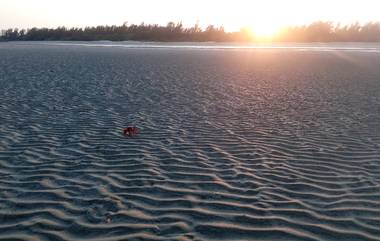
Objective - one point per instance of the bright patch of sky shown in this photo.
(232, 14)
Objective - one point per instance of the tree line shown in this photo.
(314, 32)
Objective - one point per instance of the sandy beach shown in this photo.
(234, 143)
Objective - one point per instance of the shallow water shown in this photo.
(235, 144)
(317, 47)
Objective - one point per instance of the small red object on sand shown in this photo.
(130, 131)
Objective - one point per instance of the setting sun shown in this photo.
(264, 30)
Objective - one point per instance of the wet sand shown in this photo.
(235, 144)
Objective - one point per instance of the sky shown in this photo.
(262, 15)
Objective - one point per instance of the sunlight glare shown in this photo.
(264, 30)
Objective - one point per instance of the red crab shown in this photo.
(130, 131)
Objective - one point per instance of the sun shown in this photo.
(265, 30)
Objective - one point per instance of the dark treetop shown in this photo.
(315, 32)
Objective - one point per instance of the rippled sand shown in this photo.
(234, 144)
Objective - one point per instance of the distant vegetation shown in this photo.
(315, 32)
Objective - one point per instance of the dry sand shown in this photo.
(273, 144)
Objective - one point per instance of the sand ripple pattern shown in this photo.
(235, 144)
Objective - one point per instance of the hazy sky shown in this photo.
(264, 14)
